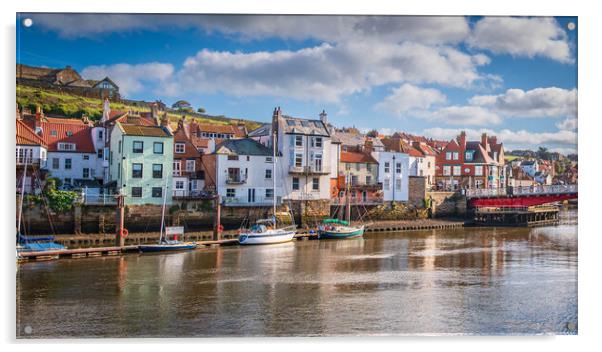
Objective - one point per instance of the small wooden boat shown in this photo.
(167, 246)
(164, 243)
(338, 229)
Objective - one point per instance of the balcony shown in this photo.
(99, 199)
(29, 161)
(236, 180)
(196, 194)
(309, 170)
(190, 174)
(246, 202)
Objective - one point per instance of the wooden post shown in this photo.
(119, 240)
(217, 222)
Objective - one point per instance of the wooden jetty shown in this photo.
(516, 216)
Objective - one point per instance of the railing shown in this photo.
(536, 208)
(525, 190)
(356, 200)
(196, 194)
(244, 201)
(239, 180)
(21, 160)
(309, 169)
(99, 199)
(184, 173)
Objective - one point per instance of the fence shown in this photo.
(525, 190)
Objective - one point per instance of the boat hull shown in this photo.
(150, 248)
(266, 238)
(324, 234)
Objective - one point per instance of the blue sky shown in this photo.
(513, 77)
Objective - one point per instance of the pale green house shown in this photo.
(141, 163)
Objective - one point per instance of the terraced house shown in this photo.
(471, 164)
(141, 163)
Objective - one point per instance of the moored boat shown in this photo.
(339, 229)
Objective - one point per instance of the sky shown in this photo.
(514, 77)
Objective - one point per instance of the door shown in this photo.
(251, 195)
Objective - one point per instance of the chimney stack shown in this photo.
(493, 140)
(324, 117)
(484, 140)
(181, 122)
(462, 139)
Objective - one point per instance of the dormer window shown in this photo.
(180, 148)
(66, 146)
(53, 133)
(469, 155)
(69, 133)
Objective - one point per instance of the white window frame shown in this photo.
(446, 170)
(178, 150)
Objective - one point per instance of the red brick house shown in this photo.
(471, 164)
(359, 171)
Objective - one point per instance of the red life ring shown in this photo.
(123, 233)
(220, 228)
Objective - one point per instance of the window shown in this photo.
(118, 147)
(100, 134)
(137, 192)
(180, 148)
(298, 159)
(231, 192)
(468, 155)
(158, 147)
(428, 165)
(137, 170)
(318, 162)
(69, 133)
(347, 166)
(67, 180)
(157, 192)
(99, 153)
(201, 175)
(157, 170)
(446, 170)
(269, 193)
(398, 168)
(55, 163)
(315, 184)
(354, 180)
(232, 157)
(457, 170)
(455, 155)
(53, 133)
(268, 174)
(387, 167)
(448, 156)
(68, 164)
(317, 142)
(478, 170)
(176, 168)
(86, 157)
(299, 141)
(368, 180)
(190, 165)
(138, 147)
(398, 184)
(369, 167)
(66, 146)
(387, 184)
(269, 159)
(85, 172)
(118, 170)
(295, 183)
(179, 185)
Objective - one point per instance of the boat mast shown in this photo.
(274, 177)
(163, 209)
(22, 193)
(347, 199)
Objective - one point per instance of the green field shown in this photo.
(63, 104)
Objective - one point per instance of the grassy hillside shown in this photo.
(57, 103)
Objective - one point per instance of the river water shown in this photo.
(467, 281)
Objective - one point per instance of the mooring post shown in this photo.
(119, 239)
(217, 223)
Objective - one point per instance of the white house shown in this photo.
(393, 174)
(30, 156)
(530, 167)
(244, 173)
(305, 146)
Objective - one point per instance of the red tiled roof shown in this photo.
(26, 136)
(353, 157)
(55, 130)
(215, 128)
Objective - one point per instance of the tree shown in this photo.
(200, 110)
(543, 153)
(372, 133)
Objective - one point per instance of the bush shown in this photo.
(61, 201)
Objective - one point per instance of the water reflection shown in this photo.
(493, 281)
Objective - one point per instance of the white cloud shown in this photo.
(462, 115)
(538, 102)
(325, 72)
(512, 139)
(334, 29)
(131, 78)
(527, 37)
(568, 124)
(408, 97)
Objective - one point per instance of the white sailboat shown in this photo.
(266, 231)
